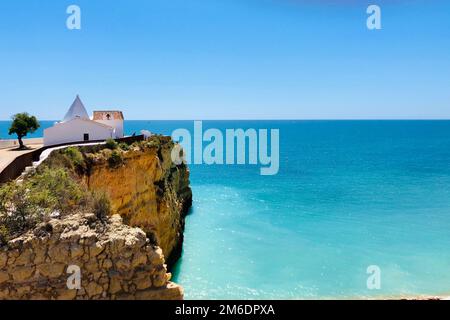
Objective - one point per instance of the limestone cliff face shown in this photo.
(149, 191)
(120, 257)
(114, 261)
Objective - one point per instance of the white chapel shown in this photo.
(77, 126)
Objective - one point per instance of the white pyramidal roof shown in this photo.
(76, 111)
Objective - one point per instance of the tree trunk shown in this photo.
(21, 146)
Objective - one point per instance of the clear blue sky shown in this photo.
(227, 59)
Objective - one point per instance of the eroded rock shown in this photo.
(120, 263)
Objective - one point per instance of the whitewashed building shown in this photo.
(77, 126)
(112, 118)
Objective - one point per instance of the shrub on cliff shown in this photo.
(101, 205)
(124, 146)
(17, 213)
(115, 159)
(74, 155)
(77, 160)
(23, 205)
(111, 144)
(70, 158)
(55, 190)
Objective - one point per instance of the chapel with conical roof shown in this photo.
(77, 126)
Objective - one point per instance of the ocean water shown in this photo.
(349, 194)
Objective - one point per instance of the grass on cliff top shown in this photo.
(56, 187)
(45, 193)
(82, 158)
(79, 160)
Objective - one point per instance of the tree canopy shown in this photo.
(23, 124)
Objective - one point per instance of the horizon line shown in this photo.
(278, 119)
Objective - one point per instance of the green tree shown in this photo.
(23, 124)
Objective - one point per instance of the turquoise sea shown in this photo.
(349, 194)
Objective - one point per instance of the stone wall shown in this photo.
(116, 262)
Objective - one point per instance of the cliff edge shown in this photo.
(111, 215)
(148, 190)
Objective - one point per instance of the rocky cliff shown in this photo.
(114, 261)
(148, 191)
(122, 256)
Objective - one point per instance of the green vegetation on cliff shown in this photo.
(115, 210)
(56, 188)
(46, 192)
